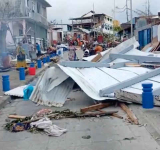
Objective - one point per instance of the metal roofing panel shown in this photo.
(16, 91)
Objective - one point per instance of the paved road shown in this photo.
(106, 133)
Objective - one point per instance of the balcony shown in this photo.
(84, 21)
(36, 17)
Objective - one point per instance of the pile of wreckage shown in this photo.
(115, 74)
(110, 78)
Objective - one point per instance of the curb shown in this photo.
(6, 99)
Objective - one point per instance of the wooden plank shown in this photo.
(95, 107)
(132, 65)
(16, 117)
(100, 114)
(117, 116)
(97, 58)
(129, 113)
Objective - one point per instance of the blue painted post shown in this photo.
(39, 64)
(147, 96)
(22, 74)
(44, 60)
(5, 83)
(48, 59)
(32, 65)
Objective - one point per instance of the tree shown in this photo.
(7, 13)
(117, 28)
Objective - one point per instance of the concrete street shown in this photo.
(106, 133)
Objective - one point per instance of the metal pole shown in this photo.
(127, 10)
(131, 19)
(93, 21)
(114, 10)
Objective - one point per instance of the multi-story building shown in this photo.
(92, 21)
(30, 19)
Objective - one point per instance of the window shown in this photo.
(111, 27)
(27, 3)
(38, 8)
(20, 32)
(33, 6)
(110, 20)
(44, 12)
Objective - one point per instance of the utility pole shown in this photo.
(93, 21)
(127, 10)
(131, 19)
(148, 7)
(114, 15)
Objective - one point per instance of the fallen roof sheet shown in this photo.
(55, 85)
(91, 81)
(16, 91)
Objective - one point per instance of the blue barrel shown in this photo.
(59, 52)
(44, 60)
(147, 96)
(39, 64)
(5, 83)
(48, 59)
(21, 74)
(32, 65)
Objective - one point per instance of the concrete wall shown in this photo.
(40, 31)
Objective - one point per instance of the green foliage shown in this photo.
(117, 29)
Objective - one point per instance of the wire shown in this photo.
(121, 8)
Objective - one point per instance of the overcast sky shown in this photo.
(65, 9)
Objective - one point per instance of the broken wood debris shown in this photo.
(95, 107)
(16, 117)
(130, 114)
(117, 116)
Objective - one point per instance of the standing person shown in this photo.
(38, 49)
(98, 48)
(21, 57)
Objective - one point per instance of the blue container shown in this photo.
(32, 65)
(48, 59)
(5, 83)
(59, 52)
(39, 64)
(27, 92)
(147, 96)
(21, 74)
(44, 60)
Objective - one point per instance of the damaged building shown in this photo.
(29, 17)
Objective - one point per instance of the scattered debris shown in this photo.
(117, 116)
(42, 120)
(16, 117)
(95, 107)
(86, 137)
(130, 114)
(129, 139)
(48, 127)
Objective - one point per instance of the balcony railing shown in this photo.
(36, 16)
(84, 21)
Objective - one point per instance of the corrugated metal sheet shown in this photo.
(52, 88)
(16, 91)
(92, 80)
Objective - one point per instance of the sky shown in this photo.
(62, 10)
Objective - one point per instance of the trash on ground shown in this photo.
(48, 127)
(42, 120)
(129, 139)
(86, 137)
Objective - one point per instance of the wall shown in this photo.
(40, 31)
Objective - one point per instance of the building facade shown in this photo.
(30, 20)
(94, 22)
